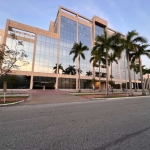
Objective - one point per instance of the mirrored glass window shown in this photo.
(68, 29)
(99, 30)
(84, 35)
(28, 47)
(46, 54)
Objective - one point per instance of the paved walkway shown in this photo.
(51, 96)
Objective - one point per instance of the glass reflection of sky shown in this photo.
(46, 54)
(28, 47)
(84, 35)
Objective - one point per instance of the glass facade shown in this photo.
(66, 83)
(40, 82)
(84, 35)
(15, 81)
(123, 67)
(68, 30)
(28, 47)
(50, 51)
(123, 62)
(46, 54)
(115, 70)
(98, 30)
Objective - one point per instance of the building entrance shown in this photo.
(44, 82)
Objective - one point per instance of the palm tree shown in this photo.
(112, 58)
(60, 67)
(129, 44)
(109, 43)
(145, 70)
(70, 70)
(135, 68)
(78, 50)
(89, 73)
(141, 50)
(98, 56)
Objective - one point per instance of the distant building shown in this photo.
(45, 49)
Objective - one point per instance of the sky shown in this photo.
(122, 15)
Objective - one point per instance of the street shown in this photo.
(118, 124)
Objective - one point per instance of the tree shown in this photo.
(129, 44)
(112, 83)
(11, 80)
(112, 58)
(60, 67)
(109, 43)
(70, 70)
(89, 73)
(12, 58)
(135, 67)
(141, 50)
(145, 70)
(78, 50)
(98, 56)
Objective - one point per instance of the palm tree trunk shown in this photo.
(99, 78)
(135, 82)
(141, 75)
(111, 77)
(129, 74)
(106, 73)
(79, 75)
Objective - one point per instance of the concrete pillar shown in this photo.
(58, 51)
(31, 82)
(56, 84)
(77, 84)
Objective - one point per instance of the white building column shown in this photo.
(56, 84)
(31, 82)
(77, 84)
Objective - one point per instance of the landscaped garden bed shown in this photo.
(12, 99)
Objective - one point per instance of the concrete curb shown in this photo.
(119, 97)
(3, 105)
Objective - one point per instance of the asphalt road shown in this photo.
(92, 125)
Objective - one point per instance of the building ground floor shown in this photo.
(64, 82)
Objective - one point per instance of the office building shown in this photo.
(46, 48)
